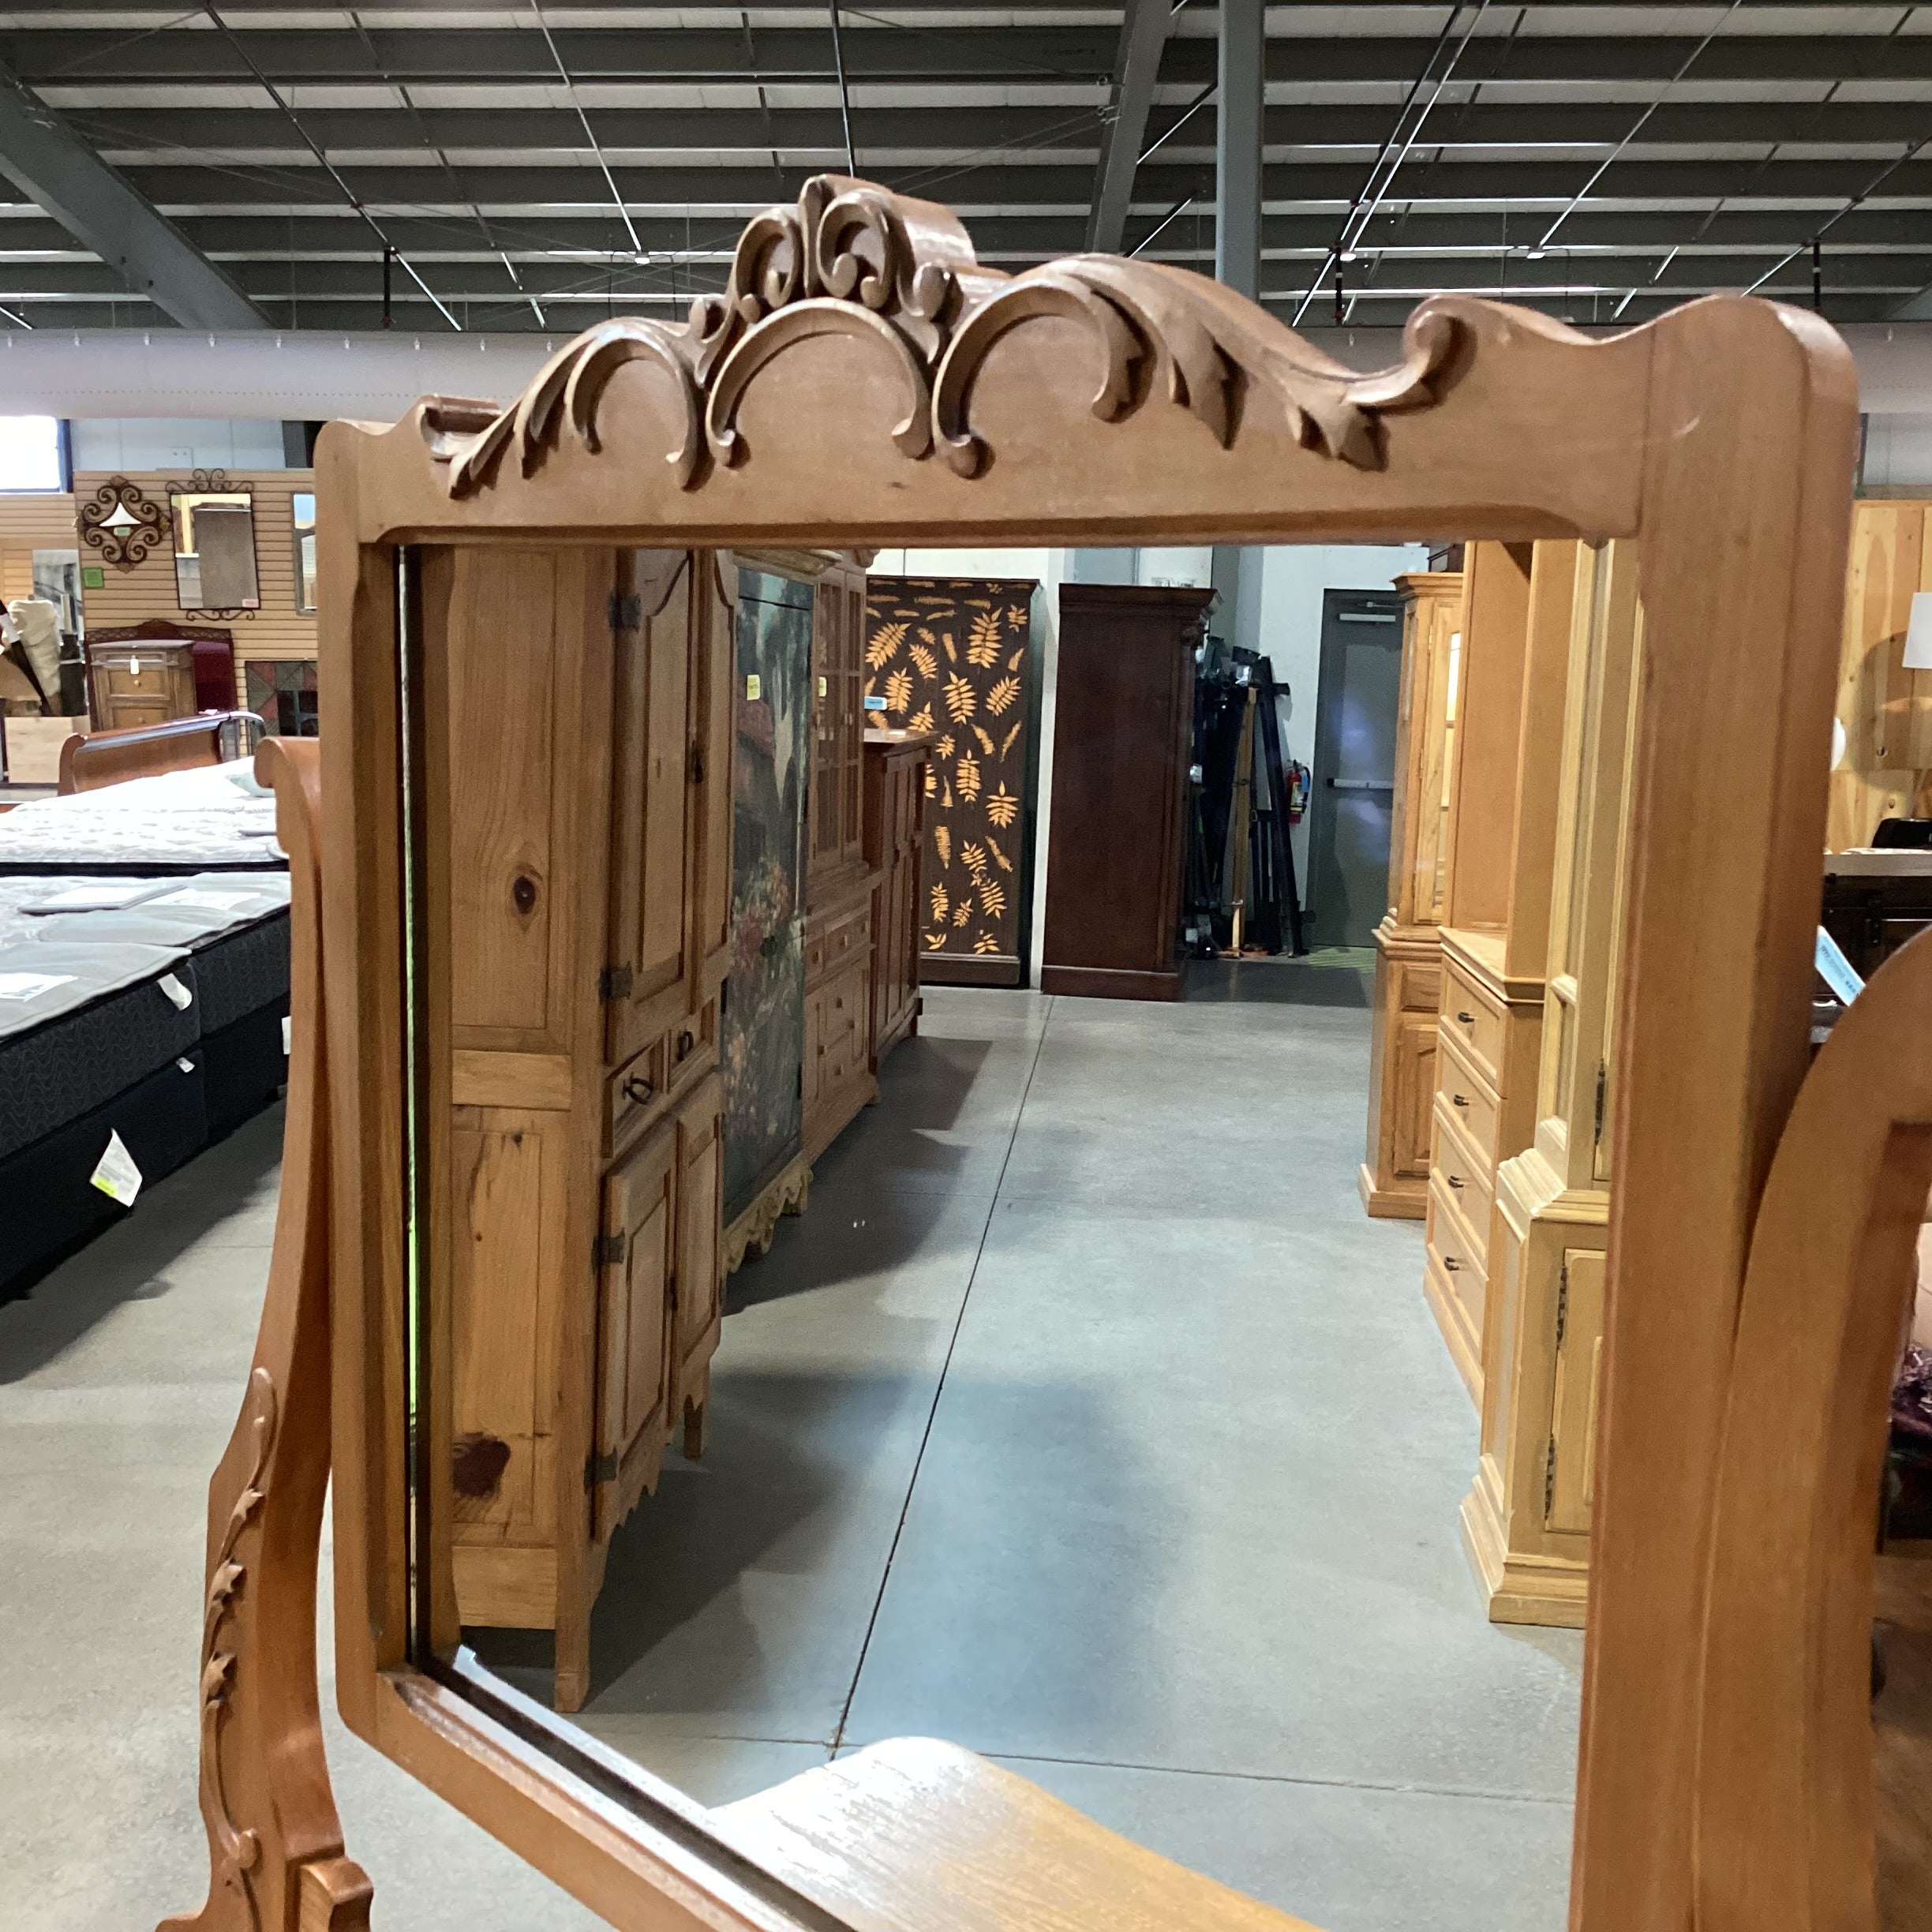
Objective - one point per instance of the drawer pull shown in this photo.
(686, 1041)
(1468, 1019)
(1452, 1264)
(1456, 1180)
(1458, 1100)
(637, 1089)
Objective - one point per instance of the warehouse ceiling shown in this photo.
(539, 167)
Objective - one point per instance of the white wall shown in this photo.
(1293, 579)
(1898, 450)
(177, 443)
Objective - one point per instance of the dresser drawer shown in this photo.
(1465, 1180)
(647, 1083)
(1477, 1025)
(842, 1043)
(837, 943)
(1471, 1102)
(1457, 1265)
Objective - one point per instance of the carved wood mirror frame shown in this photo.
(865, 381)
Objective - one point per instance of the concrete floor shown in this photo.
(1083, 1419)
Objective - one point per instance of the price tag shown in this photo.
(115, 1174)
(26, 985)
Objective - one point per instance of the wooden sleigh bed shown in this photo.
(1762, 1228)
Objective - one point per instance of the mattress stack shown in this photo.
(148, 1009)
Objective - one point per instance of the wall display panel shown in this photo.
(762, 1027)
(954, 656)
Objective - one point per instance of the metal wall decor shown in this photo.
(215, 482)
(121, 523)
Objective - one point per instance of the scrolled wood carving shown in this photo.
(236, 1852)
(856, 259)
(124, 545)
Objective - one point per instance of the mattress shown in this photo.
(214, 819)
(82, 1021)
(28, 900)
(236, 926)
(53, 1207)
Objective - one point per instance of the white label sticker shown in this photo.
(116, 1175)
(287, 1033)
(212, 901)
(753, 685)
(186, 1066)
(31, 985)
(182, 999)
(101, 898)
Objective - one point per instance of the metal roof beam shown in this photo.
(1142, 36)
(48, 162)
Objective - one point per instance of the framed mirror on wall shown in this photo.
(214, 546)
(499, 1291)
(303, 508)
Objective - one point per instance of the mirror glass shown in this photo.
(302, 504)
(1065, 1401)
(215, 551)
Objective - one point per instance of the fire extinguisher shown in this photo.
(1298, 791)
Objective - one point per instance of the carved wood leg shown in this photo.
(694, 1413)
(570, 1678)
(275, 1843)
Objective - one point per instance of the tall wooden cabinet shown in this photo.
(574, 713)
(1116, 844)
(1525, 1523)
(895, 764)
(1495, 925)
(1394, 1179)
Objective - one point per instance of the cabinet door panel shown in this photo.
(651, 831)
(713, 738)
(1414, 1048)
(635, 1296)
(700, 1208)
(507, 1189)
(1573, 1407)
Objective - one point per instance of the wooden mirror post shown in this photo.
(1098, 401)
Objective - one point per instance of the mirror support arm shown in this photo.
(275, 1843)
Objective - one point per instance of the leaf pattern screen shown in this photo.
(950, 656)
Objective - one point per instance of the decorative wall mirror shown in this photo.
(215, 544)
(303, 505)
(512, 889)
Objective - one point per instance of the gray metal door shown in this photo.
(1354, 792)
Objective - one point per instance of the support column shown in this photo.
(1239, 100)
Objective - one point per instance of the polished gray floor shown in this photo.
(1085, 1419)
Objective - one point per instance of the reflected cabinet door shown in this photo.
(714, 657)
(634, 1316)
(701, 1204)
(650, 831)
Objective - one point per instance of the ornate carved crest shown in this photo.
(121, 523)
(855, 260)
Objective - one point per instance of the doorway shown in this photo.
(1354, 789)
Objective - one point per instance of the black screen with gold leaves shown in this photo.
(950, 656)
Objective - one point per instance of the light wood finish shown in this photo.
(583, 951)
(91, 759)
(1526, 1523)
(895, 766)
(1723, 437)
(274, 1842)
(133, 685)
(1505, 765)
(35, 746)
(276, 630)
(1394, 1180)
(1886, 710)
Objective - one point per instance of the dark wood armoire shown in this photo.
(1116, 842)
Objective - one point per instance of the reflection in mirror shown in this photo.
(860, 1320)
(302, 504)
(214, 550)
